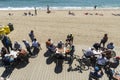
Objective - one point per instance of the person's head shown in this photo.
(92, 48)
(49, 39)
(16, 42)
(32, 31)
(105, 35)
(60, 41)
(3, 49)
(103, 55)
(35, 39)
(23, 40)
(96, 68)
(70, 34)
(111, 43)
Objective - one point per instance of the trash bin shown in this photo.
(11, 26)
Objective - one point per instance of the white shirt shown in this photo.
(14, 53)
(59, 51)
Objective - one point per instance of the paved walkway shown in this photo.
(38, 69)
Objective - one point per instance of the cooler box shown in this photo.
(6, 29)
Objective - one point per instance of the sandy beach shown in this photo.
(86, 29)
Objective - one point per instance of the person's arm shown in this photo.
(116, 76)
(101, 72)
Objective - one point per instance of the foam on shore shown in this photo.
(60, 8)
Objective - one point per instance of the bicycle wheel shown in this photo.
(83, 66)
(113, 53)
(86, 61)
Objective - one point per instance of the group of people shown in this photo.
(102, 57)
(61, 48)
(100, 54)
(11, 53)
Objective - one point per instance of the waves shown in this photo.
(57, 8)
(58, 4)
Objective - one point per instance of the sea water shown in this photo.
(58, 4)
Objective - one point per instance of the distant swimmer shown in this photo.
(95, 6)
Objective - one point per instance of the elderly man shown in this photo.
(36, 46)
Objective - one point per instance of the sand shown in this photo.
(87, 29)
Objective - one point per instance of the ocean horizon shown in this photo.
(58, 4)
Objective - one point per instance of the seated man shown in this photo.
(96, 46)
(48, 43)
(70, 38)
(91, 56)
(23, 55)
(17, 46)
(8, 59)
(36, 47)
(96, 73)
(110, 46)
(116, 75)
(59, 53)
(102, 61)
(60, 50)
(50, 46)
(109, 54)
(88, 53)
(114, 62)
(71, 13)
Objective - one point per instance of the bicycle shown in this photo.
(82, 65)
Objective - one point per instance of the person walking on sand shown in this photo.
(48, 9)
(104, 40)
(35, 10)
(95, 6)
(31, 35)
